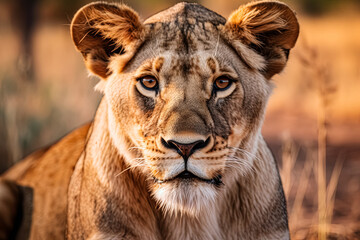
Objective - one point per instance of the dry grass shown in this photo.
(34, 114)
(320, 98)
(302, 226)
(325, 89)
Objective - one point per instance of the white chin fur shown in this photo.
(189, 198)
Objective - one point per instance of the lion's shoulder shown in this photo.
(63, 153)
(47, 174)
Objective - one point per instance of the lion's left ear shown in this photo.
(268, 27)
(101, 30)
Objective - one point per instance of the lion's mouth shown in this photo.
(188, 176)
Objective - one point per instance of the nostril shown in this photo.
(201, 144)
(163, 142)
(185, 150)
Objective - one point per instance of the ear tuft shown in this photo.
(268, 27)
(100, 30)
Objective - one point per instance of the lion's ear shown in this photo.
(100, 30)
(268, 27)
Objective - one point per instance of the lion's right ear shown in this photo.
(268, 27)
(100, 30)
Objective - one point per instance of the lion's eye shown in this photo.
(149, 82)
(222, 83)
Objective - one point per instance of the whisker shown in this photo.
(247, 153)
(136, 148)
(127, 169)
(239, 163)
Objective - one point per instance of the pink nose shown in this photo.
(185, 150)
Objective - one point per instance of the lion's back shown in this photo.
(46, 175)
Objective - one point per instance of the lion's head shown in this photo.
(186, 90)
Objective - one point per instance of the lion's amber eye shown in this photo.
(222, 83)
(149, 82)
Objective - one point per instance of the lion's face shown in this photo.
(186, 107)
(182, 114)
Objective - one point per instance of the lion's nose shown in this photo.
(185, 150)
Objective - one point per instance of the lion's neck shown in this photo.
(204, 226)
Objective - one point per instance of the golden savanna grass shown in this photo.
(314, 114)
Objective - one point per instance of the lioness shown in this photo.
(175, 149)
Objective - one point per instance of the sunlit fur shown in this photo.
(185, 198)
(129, 181)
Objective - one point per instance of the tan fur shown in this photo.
(48, 173)
(127, 176)
(97, 35)
(269, 25)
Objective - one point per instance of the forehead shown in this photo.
(184, 28)
(186, 35)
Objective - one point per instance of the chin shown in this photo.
(185, 196)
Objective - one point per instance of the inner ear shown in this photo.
(101, 30)
(97, 53)
(110, 46)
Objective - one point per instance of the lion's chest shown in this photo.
(204, 226)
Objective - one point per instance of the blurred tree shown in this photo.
(316, 7)
(23, 18)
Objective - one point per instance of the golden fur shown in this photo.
(48, 173)
(184, 159)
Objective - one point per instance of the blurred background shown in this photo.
(312, 123)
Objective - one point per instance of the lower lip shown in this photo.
(190, 177)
